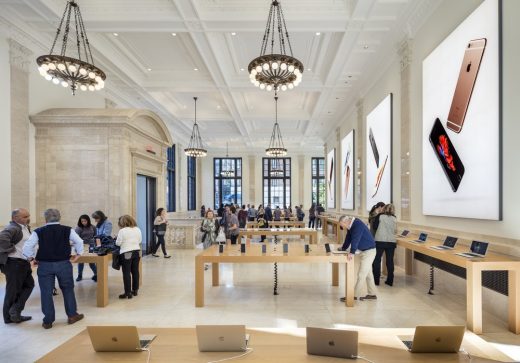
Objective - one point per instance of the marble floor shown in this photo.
(245, 296)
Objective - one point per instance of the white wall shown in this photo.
(445, 19)
(5, 133)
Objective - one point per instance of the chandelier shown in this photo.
(74, 71)
(195, 148)
(273, 71)
(276, 147)
(277, 167)
(227, 172)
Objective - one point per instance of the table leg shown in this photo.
(102, 281)
(199, 282)
(474, 297)
(324, 227)
(349, 283)
(215, 273)
(514, 300)
(335, 274)
(408, 261)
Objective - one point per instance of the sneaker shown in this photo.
(154, 255)
(79, 278)
(369, 297)
(75, 318)
(167, 256)
(47, 325)
(125, 296)
(389, 283)
(343, 299)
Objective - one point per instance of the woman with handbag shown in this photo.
(86, 231)
(160, 224)
(129, 239)
(210, 229)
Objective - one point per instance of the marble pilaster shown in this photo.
(359, 166)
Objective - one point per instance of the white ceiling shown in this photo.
(357, 40)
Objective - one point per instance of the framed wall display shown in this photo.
(331, 179)
(379, 154)
(348, 172)
(462, 120)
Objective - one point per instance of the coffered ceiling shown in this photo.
(159, 54)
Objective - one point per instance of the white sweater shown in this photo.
(129, 238)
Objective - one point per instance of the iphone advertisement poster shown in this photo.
(331, 176)
(347, 171)
(461, 120)
(379, 154)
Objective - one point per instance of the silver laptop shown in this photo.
(422, 238)
(449, 244)
(118, 339)
(404, 233)
(478, 249)
(436, 339)
(222, 338)
(332, 342)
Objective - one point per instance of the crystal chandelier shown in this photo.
(277, 167)
(227, 172)
(74, 71)
(275, 71)
(195, 148)
(276, 147)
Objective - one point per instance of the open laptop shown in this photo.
(222, 338)
(422, 238)
(448, 244)
(118, 339)
(436, 339)
(478, 249)
(404, 233)
(332, 342)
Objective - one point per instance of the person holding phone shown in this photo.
(232, 225)
(129, 238)
(86, 231)
(160, 224)
(385, 243)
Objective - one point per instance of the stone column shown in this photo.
(252, 182)
(337, 171)
(20, 59)
(405, 53)
(359, 166)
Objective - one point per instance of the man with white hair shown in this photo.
(54, 261)
(360, 239)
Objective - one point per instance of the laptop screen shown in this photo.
(450, 241)
(479, 247)
(423, 236)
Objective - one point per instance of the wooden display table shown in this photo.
(474, 268)
(254, 254)
(102, 264)
(302, 232)
(278, 224)
(270, 345)
(325, 221)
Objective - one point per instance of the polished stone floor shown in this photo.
(245, 296)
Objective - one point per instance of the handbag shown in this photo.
(116, 259)
(221, 237)
(160, 229)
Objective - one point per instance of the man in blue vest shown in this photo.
(360, 239)
(54, 261)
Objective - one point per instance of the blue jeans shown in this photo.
(81, 266)
(47, 273)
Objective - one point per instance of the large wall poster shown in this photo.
(347, 171)
(379, 154)
(331, 179)
(461, 120)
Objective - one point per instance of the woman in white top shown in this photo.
(160, 224)
(129, 239)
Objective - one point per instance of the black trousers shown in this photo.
(389, 249)
(18, 287)
(160, 242)
(233, 239)
(311, 222)
(130, 268)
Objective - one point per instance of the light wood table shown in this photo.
(302, 232)
(254, 254)
(102, 264)
(325, 221)
(474, 267)
(270, 345)
(278, 224)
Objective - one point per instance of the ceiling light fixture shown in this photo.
(195, 69)
(116, 35)
(275, 71)
(174, 34)
(233, 33)
(276, 147)
(195, 148)
(228, 171)
(69, 71)
(318, 33)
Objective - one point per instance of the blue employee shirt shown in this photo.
(30, 244)
(105, 229)
(358, 237)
